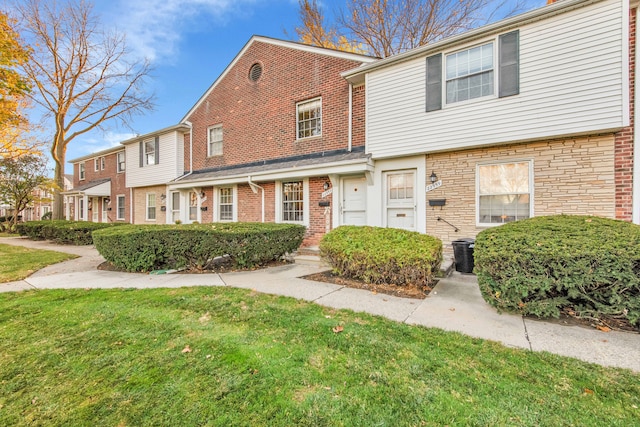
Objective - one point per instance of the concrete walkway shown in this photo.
(455, 304)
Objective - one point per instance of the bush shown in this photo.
(47, 215)
(543, 265)
(382, 255)
(196, 246)
(61, 231)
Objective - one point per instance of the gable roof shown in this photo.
(356, 75)
(283, 43)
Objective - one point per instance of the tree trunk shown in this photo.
(58, 151)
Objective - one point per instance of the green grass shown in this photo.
(17, 262)
(115, 358)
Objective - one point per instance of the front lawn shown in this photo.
(231, 357)
(17, 262)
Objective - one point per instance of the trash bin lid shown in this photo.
(465, 240)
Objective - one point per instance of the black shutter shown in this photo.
(509, 67)
(434, 82)
(157, 149)
(141, 154)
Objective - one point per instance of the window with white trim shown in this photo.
(309, 121)
(214, 139)
(470, 74)
(120, 161)
(81, 208)
(175, 206)
(151, 206)
(81, 171)
(225, 204)
(193, 206)
(102, 163)
(120, 208)
(293, 201)
(505, 192)
(150, 152)
(96, 164)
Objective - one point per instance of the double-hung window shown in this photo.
(151, 206)
(309, 118)
(81, 171)
(293, 201)
(505, 192)
(102, 163)
(120, 208)
(120, 161)
(150, 152)
(96, 164)
(215, 140)
(470, 74)
(225, 204)
(193, 206)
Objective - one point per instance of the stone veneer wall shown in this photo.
(140, 204)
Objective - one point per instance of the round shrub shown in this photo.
(382, 255)
(542, 265)
(62, 231)
(196, 246)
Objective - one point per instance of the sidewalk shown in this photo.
(455, 304)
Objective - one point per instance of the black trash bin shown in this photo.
(463, 255)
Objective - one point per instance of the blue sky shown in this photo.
(190, 42)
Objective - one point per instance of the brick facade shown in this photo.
(624, 139)
(571, 176)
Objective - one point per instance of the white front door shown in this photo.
(104, 210)
(354, 201)
(95, 209)
(400, 199)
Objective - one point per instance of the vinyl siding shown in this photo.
(571, 82)
(170, 163)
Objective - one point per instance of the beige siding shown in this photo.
(571, 176)
(571, 82)
(140, 204)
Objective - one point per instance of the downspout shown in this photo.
(254, 188)
(190, 147)
(349, 143)
(635, 195)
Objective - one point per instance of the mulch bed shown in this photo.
(408, 291)
(568, 317)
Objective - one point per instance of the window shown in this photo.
(102, 163)
(150, 153)
(96, 164)
(175, 206)
(81, 170)
(310, 118)
(225, 204)
(504, 192)
(81, 208)
(215, 140)
(45, 210)
(120, 160)
(151, 206)
(120, 207)
(193, 206)
(470, 73)
(293, 201)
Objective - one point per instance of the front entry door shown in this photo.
(95, 209)
(400, 199)
(104, 210)
(354, 201)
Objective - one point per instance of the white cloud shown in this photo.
(101, 141)
(155, 28)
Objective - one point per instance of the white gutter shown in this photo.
(635, 195)
(254, 188)
(349, 144)
(190, 146)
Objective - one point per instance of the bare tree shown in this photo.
(388, 27)
(19, 177)
(82, 75)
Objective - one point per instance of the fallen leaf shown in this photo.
(34, 400)
(588, 391)
(205, 317)
(452, 309)
(374, 292)
(338, 329)
(603, 328)
(186, 349)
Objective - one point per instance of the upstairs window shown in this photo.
(309, 118)
(81, 171)
(215, 140)
(120, 161)
(150, 153)
(102, 163)
(96, 164)
(469, 73)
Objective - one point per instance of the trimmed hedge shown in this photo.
(195, 246)
(382, 255)
(543, 265)
(62, 232)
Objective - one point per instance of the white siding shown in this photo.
(170, 163)
(571, 82)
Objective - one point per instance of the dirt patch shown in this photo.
(570, 318)
(408, 291)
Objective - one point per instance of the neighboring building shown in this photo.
(99, 193)
(530, 116)
(272, 137)
(154, 160)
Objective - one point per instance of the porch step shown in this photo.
(447, 267)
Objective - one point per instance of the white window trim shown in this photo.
(209, 153)
(146, 153)
(216, 201)
(103, 161)
(155, 206)
(81, 171)
(124, 201)
(531, 189)
(172, 209)
(445, 104)
(96, 164)
(305, 201)
(124, 157)
(306, 101)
